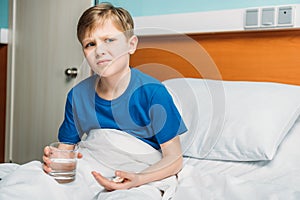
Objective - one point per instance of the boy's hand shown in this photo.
(47, 161)
(130, 180)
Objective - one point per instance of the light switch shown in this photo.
(285, 16)
(251, 18)
(268, 17)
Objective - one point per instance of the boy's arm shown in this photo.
(170, 164)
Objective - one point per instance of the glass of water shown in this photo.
(63, 158)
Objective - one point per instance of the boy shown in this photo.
(120, 97)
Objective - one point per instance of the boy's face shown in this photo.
(107, 49)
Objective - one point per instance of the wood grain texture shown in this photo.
(272, 55)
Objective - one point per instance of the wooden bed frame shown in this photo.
(268, 55)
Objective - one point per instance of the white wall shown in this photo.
(210, 21)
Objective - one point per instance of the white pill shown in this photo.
(118, 179)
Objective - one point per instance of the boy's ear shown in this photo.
(133, 41)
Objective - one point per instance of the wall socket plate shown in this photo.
(252, 18)
(269, 17)
(285, 16)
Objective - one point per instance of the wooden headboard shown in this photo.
(269, 55)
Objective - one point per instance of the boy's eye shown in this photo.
(108, 40)
(90, 44)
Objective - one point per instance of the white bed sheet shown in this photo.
(199, 179)
(105, 150)
(261, 180)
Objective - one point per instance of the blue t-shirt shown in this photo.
(145, 110)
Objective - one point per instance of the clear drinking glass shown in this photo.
(63, 158)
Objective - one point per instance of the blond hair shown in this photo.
(99, 14)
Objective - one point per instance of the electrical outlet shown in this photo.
(251, 18)
(285, 16)
(268, 17)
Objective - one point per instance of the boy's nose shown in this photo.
(101, 49)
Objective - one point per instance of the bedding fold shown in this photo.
(104, 151)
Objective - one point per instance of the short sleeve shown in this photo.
(67, 131)
(166, 119)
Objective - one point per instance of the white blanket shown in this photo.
(104, 151)
(199, 179)
(263, 180)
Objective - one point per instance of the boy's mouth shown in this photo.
(103, 62)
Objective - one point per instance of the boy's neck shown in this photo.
(110, 88)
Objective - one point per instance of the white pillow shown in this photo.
(234, 120)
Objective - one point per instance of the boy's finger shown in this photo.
(79, 155)
(46, 151)
(46, 160)
(46, 168)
